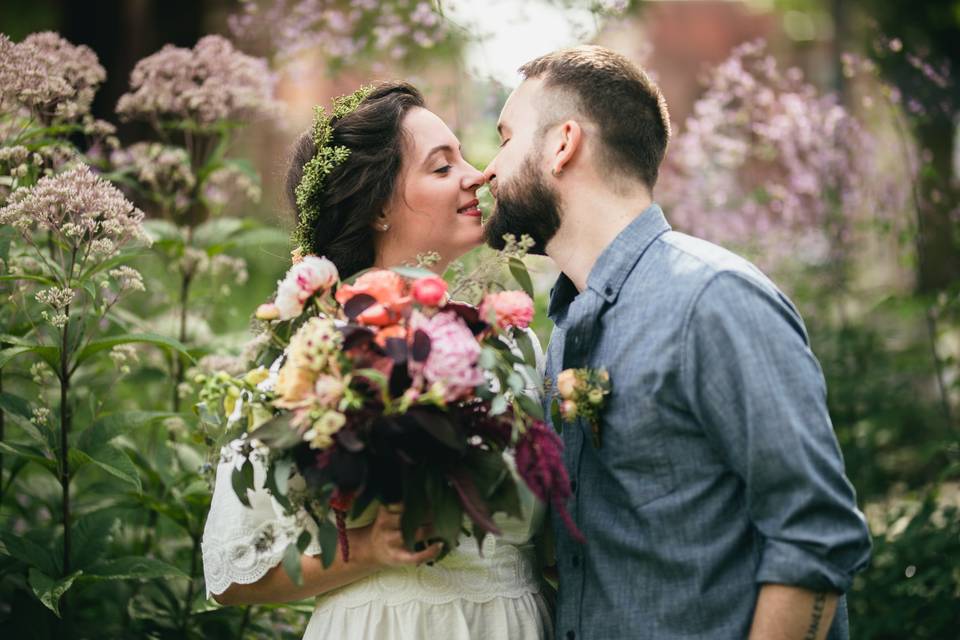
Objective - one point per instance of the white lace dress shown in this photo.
(467, 596)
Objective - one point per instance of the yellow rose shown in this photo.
(294, 385)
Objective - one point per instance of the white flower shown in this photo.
(304, 279)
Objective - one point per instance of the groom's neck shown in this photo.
(591, 219)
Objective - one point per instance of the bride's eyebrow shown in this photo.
(438, 148)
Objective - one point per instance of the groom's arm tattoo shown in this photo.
(819, 603)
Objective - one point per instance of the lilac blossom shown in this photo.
(340, 30)
(766, 162)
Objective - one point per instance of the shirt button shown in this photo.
(608, 291)
(571, 635)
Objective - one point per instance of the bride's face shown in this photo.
(434, 206)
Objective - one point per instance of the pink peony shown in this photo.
(429, 291)
(304, 279)
(454, 351)
(507, 309)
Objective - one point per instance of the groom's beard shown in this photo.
(525, 205)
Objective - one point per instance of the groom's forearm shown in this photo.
(792, 613)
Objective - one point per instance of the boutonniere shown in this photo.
(582, 394)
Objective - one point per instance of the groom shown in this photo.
(716, 505)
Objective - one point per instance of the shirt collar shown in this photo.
(616, 261)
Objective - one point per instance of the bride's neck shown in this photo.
(390, 257)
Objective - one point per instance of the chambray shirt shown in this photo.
(718, 469)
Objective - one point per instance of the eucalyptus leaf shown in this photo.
(291, 564)
(525, 343)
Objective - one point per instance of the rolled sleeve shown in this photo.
(757, 390)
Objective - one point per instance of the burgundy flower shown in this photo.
(540, 464)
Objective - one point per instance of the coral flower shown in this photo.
(507, 309)
(389, 291)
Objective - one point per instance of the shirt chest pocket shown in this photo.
(634, 451)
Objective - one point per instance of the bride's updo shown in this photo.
(357, 190)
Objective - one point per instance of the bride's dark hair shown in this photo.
(357, 190)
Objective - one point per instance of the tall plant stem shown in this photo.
(931, 318)
(188, 605)
(186, 279)
(3, 417)
(65, 418)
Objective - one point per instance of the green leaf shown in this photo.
(519, 272)
(555, 416)
(50, 355)
(49, 590)
(487, 359)
(329, 539)
(525, 343)
(498, 406)
(15, 405)
(242, 480)
(107, 427)
(530, 406)
(30, 453)
(91, 538)
(96, 346)
(515, 382)
(447, 511)
(24, 549)
(33, 278)
(277, 433)
(114, 461)
(415, 505)
(291, 564)
(133, 568)
(277, 477)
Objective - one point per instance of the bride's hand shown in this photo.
(381, 543)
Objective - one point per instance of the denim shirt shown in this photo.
(718, 470)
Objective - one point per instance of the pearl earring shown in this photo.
(385, 226)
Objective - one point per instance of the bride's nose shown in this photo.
(472, 180)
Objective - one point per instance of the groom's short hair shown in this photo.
(619, 97)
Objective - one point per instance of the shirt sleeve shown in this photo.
(759, 393)
(241, 544)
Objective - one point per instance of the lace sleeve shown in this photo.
(241, 544)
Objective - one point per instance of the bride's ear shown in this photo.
(380, 223)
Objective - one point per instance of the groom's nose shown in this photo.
(489, 176)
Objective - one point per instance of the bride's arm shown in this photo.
(372, 548)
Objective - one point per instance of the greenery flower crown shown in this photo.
(318, 169)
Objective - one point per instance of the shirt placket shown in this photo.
(578, 344)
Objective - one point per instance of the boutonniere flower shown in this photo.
(582, 394)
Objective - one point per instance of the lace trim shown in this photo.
(504, 571)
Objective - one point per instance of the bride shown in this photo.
(403, 190)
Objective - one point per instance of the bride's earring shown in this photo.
(384, 226)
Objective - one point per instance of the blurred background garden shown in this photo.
(818, 137)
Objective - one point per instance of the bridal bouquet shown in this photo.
(381, 390)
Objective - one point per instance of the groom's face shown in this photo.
(525, 202)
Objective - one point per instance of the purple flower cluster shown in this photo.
(212, 83)
(79, 207)
(340, 30)
(766, 162)
(164, 171)
(48, 77)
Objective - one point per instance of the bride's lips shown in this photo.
(472, 209)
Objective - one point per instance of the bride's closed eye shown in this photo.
(444, 169)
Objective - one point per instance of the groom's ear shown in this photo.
(566, 146)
